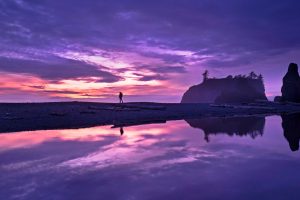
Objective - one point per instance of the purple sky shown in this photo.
(151, 50)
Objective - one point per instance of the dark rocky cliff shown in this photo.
(226, 90)
(291, 84)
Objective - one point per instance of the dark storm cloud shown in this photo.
(168, 69)
(160, 72)
(55, 69)
(167, 58)
(152, 77)
(208, 27)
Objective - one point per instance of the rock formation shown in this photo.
(237, 89)
(291, 84)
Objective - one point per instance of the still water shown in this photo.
(215, 158)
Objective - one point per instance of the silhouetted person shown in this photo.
(121, 97)
(121, 131)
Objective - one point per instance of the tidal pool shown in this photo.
(213, 158)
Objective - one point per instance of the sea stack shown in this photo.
(291, 84)
(238, 89)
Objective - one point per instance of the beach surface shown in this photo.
(16, 117)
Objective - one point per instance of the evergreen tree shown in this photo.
(205, 75)
(252, 75)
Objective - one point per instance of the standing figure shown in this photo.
(121, 130)
(121, 97)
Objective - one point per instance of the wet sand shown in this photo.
(16, 117)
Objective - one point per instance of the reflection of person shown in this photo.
(121, 130)
(121, 97)
(206, 137)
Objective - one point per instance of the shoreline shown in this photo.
(16, 117)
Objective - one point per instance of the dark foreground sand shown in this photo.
(64, 115)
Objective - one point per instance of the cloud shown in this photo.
(55, 69)
(206, 21)
(170, 37)
(206, 26)
(152, 77)
(168, 69)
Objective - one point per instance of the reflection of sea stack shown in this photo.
(240, 126)
(291, 128)
(291, 84)
(227, 90)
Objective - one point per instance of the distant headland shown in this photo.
(232, 89)
(243, 89)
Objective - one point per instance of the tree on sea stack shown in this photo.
(205, 75)
(252, 75)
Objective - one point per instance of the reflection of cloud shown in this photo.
(29, 139)
(10, 141)
(111, 157)
(133, 148)
(25, 164)
(156, 161)
(167, 147)
(25, 190)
